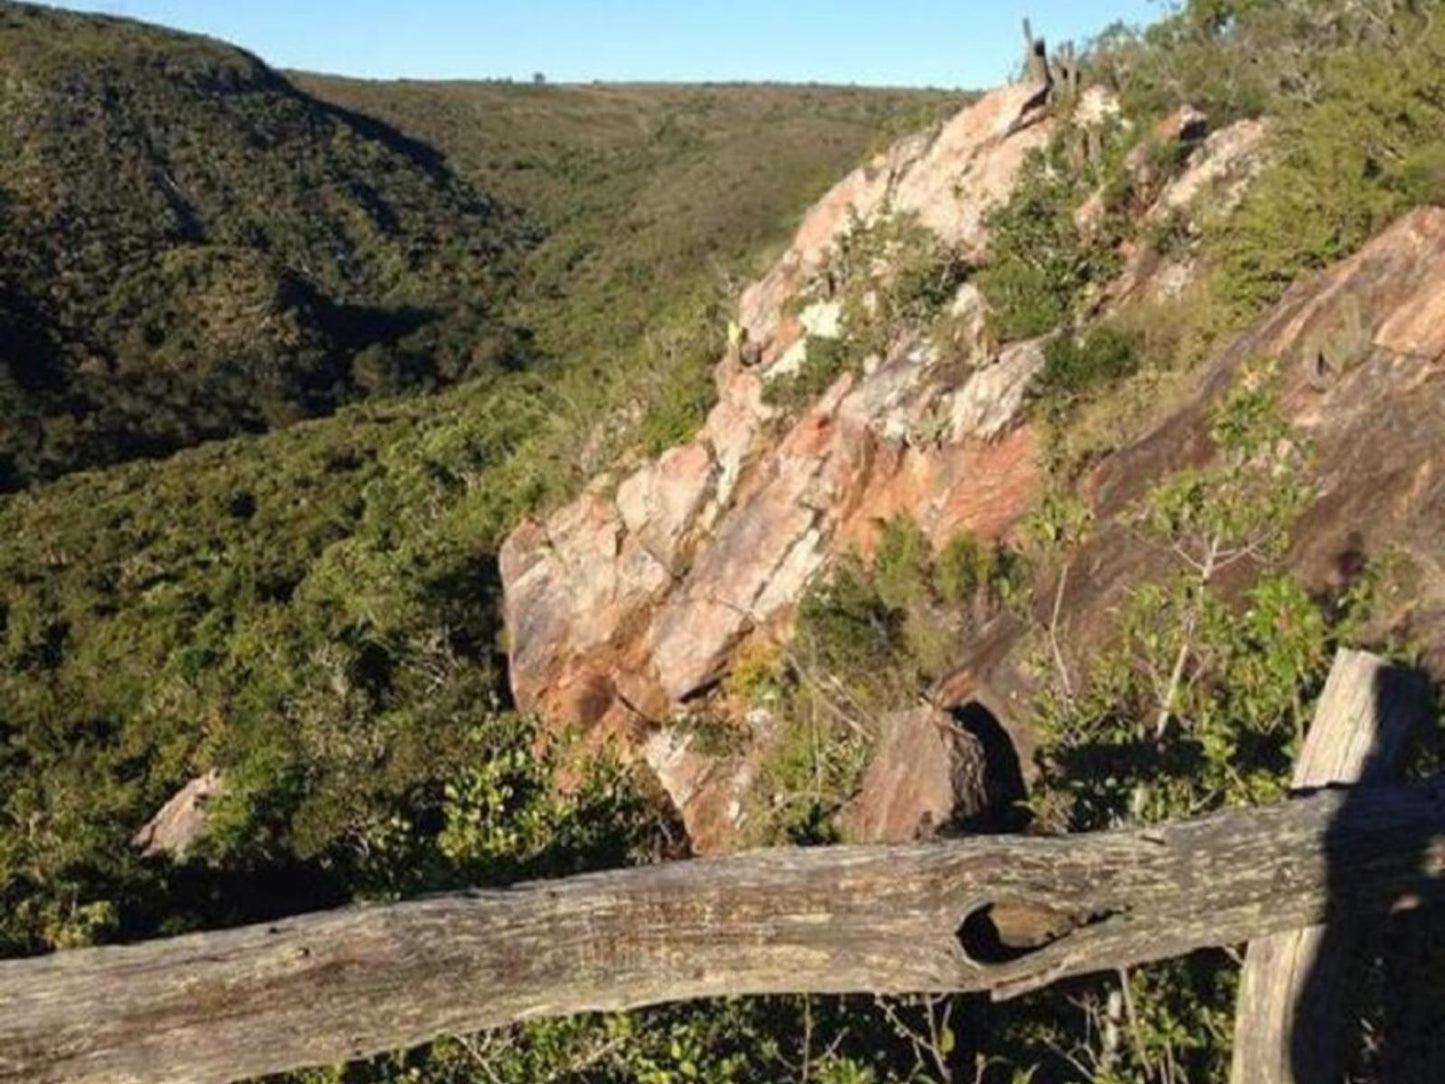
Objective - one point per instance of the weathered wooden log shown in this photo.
(1289, 1016)
(943, 916)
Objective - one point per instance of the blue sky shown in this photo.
(882, 42)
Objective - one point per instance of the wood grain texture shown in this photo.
(1288, 1019)
(324, 988)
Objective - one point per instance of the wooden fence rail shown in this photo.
(1005, 914)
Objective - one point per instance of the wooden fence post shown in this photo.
(1288, 1018)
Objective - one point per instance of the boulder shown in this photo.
(710, 790)
(926, 775)
(182, 821)
(1221, 167)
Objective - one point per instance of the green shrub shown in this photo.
(1039, 264)
(1075, 367)
(871, 637)
(1198, 700)
(825, 361)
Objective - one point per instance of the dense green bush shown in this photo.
(1366, 147)
(871, 638)
(192, 247)
(889, 277)
(315, 610)
(1198, 700)
(1039, 263)
(825, 361)
(1075, 366)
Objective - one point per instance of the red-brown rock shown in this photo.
(926, 774)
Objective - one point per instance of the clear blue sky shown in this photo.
(894, 42)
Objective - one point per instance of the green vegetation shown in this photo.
(887, 277)
(192, 248)
(1203, 701)
(1040, 263)
(1365, 149)
(1199, 702)
(1354, 96)
(635, 195)
(315, 609)
(1106, 354)
(823, 363)
(871, 638)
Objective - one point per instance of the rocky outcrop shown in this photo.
(631, 602)
(710, 791)
(616, 612)
(1216, 173)
(949, 181)
(927, 774)
(1373, 414)
(1221, 167)
(182, 821)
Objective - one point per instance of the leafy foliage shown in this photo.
(1199, 701)
(193, 248)
(1040, 263)
(1105, 354)
(887, 277)
(871, 638)
(1365, 149)
(315, 610)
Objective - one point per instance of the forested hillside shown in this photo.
(191, 247)
(316, 608)
(639, 196)
(195, 245)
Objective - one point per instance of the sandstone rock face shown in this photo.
(630, 600)
(182, 821)
(949, 181)
(1215, 176)
(1222, 166)
(710, 791)
(1375, 422)
(972, 166)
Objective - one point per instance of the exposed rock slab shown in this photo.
(1376, 430)
(630, 600)
(927, 773)
(709, 790)
(950, 181)
(182, 821)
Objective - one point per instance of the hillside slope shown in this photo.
(192, 247)
(315, 607)
(639, 197)
(1041, 476)
(195, 245)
